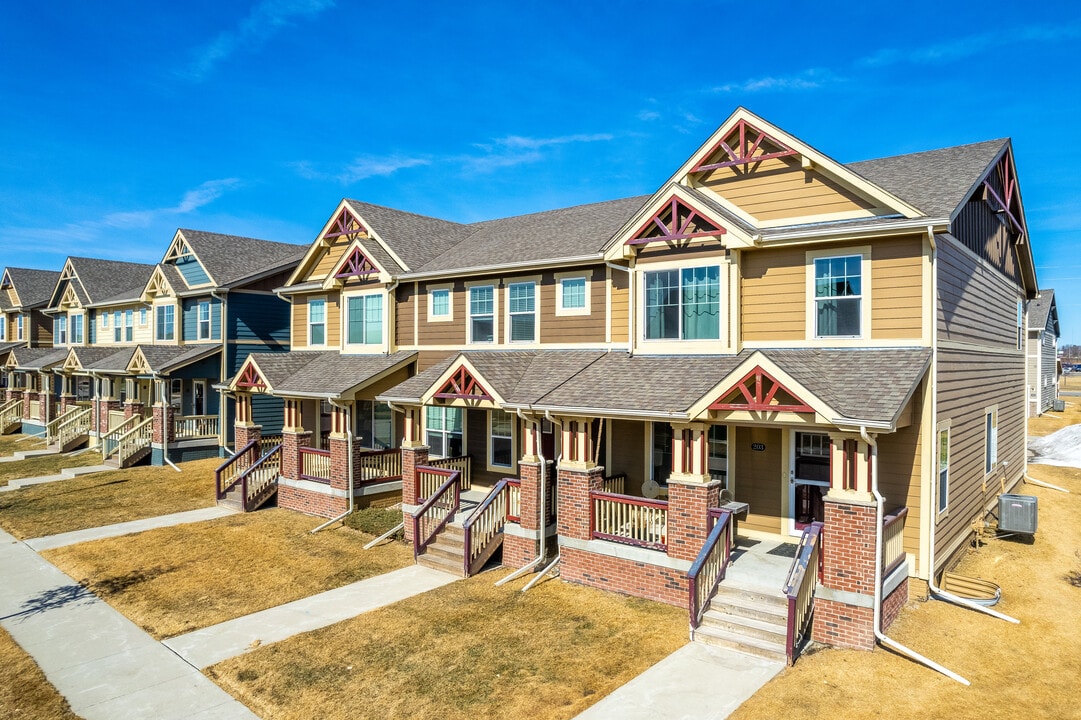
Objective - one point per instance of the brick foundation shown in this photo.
(848, 552)
(311, 503)
(518, 551)
(624, 576)
(893, 604)
(842, 625)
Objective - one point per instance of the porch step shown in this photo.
(741, 643)
(750, 604)
(447, 553)
(232, 500)
(748, 627)
(750, 621)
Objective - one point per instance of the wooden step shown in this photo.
(454, 567)
(741, 643)
(776, 632)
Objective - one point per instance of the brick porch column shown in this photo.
(163, 427)
(844, 602)
(105, 406)
(28, 397)
(412, 457)
(517, 550)
(245, 432)
(689, 501)
(574, 485)
(292, 441)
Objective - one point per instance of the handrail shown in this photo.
(51, 428)
(514, 500)
(11, 413)
(709, 568)
(109, 441)
(259, 476)
(133, 440)
(615, 483)
(78, 424)
(628, 520)
(437, 510)
(234, 468)
(800, 586)
(893, 540)
(378, 466)
(462, 463)
(490, 517)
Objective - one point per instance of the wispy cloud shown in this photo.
(362, 167)
(809, 79)
(266, 19)
(971, 45)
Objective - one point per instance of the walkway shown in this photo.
(65, 474)
(107, 667)
(74, 537)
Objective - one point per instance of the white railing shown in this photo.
(135, 440)
(110, 441)
(268, 443)
(484, 528)
(35, 409)
(799, 588)
(514, 500)
(186, 427)
(315, 464)
(75, 426)
(10, 414)
(378, 465)
(461, 463)
(709, 568)
(52, 428)
(893, 540)
(629, 520)
(116, 417)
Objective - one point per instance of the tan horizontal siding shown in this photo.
(773, 295)
(620, 282)
(443, 333)
(897, 288)
(329, 257)
(300, 320)
(403, 315)
(572, 328)
(975, 303)
(900, 472)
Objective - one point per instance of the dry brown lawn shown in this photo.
(1051, 422)
(9, 444)
(24, 691)
(468, 650)
(1030, 670)
(106, 498)
(178, 579)
(1071, 382)
(40, 465)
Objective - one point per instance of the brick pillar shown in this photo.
(688, 516)
(292, 441)
(844, 603)
(574, 486)
(104, 407)
(132, 409)
(339, 462)
(519, 551)
(67, 402)
(163, 427)
(412, 458)
(28, 397)
(246, 432)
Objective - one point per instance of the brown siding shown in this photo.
(300, 320)
(620, 304)
(328, 258)
(897, 288)
(986, 233)
(758, 477)
(781, 188)
(900, 457)
(773, 294)
(572, 328)
(444, 333)
(426, 359)
(629, 440)
(975, 303)
(268, 284)
(404, 305)
(41, 329)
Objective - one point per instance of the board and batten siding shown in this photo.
(629, 453)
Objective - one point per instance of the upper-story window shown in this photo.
(142, 317)
(482, 314)
(317, 322)
(76, 324)
(129, 325)
(522, 308)
(573, 296)
(166, 329)
(60, 330)
(20, 327)
(838, 296)
(203, 321)
(3, 327)
(364, 320)
(683, 304)
(439, 307)
(104, 320)
(118, 328)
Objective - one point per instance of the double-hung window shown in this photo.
(60, 330)
(943, 469)
(165, 323)
(443, 431)
(365, 320)
(20, 327)
(317, 322)
(683, 304)
(3, 328)
(76, 324)
(990, 448)
(142, 317)
(838, 296)
(482, 314)
(203, 321)
(502, 439)
(439, 304)
(375, 425)
(522, 307)
(572, 295)
(129, 325)
(118, 327)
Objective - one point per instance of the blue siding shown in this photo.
(190, 314)
(259, 319)
(192, 271)
(268, 411)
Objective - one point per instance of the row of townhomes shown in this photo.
(832, 363)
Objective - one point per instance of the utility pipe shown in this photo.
(551, 566)
(872, 447)
(349, 445)
(1041, 483)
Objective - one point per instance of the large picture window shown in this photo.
(522, 306)
(482, 314)
(317, 322)
(683, 304)
(165, 323)
(365, 320)
(838, 294)
(375, 425)
(443, 431)
(502, 438)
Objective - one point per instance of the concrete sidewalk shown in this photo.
(126, 528)
(107, 667)
(211, 645)
(65, 474)
(696, 682)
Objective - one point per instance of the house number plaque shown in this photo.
(758, 447)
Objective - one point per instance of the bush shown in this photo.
(375, 521)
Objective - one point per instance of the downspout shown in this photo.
(349, 445)
(542, 536)
(390, 318)
(630, 304)
(880, 501)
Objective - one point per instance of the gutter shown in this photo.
(503, 267)
(222, 299)
(841, 233)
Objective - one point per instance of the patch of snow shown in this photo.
(1061, 448)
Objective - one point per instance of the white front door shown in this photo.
(809, 479)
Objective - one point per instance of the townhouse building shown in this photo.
(24, 294)
(1043, 364)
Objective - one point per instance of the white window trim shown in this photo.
(469, 315)
(943, 427)
(144, 317)
(20, 327)
(535, 282)
(513, 467)
(3, 327)
(432, 318)
(308, 305)
(865, 295)
(157, 325)
(465, 427)
(384, 313)
(199, 320)
(60, 330)
(990, 442)
(129, 325)
(677, 346)
(567, 312)
(82, 333)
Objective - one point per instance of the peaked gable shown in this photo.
(181, 255)
(758, 391)
(345, 231)
(157, 286)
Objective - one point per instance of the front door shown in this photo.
(198, 397)
(809, 479)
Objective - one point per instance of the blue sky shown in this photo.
(121, 121)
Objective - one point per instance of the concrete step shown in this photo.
(450, 551)
(441, 563)
(745, 626)
(741, 643)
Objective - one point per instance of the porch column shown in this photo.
(338, 444)
(47, 410)
(578, 444)
(574, 484)
(413, 457)
(294, 437)
(134, 404)
(244, 428)
(67, 396)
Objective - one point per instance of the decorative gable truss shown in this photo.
(345, 224)
(744, 145)
(462, 385)
(69, 299)
(157, 286)
(6, 285)
(138, 365)
(64, 286)
(758, 391)
(249, 379)
(674, 222)
(1001, 192)
(355, 264)
(72, 363)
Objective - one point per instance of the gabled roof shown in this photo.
(106, 281)
(162, 359)
(1042, 310)
(414, 238)
(36, 358)
(229, 259)
(323, 374)
(33, 287)
(104, 359)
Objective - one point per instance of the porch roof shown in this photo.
(324, 374)
(37, 358)
(113, 360)
(164, 358)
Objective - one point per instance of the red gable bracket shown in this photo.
(462, 386)
(250, 378)
(675, 221)
(357, 265)
(758, 390)
(749, 142)
(346, 224)
(1007, 202)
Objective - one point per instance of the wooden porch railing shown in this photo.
(10, 414)
(110, 441)
(267, 443)
(315, 464)
(629, 520)
(483, 529)
(74, 427)
(35, 409)
(259, 479)
(187, 427)
(893, 540)
(229, 472)
(134, 440)
(51, 430)
(709, 568)
(461, 463)
(616, 484)
(115, 418)
(805, 572)
(439, 509)
(378, 466)
(514, 500)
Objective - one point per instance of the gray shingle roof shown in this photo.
(110, 280)
(38, 358)
(164, 358)
(935, 181)
(231, 258)
(105, 359)
(1039, 310)
(34, 287)
(414, 238)
(323, 373)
